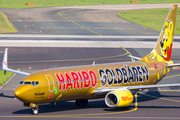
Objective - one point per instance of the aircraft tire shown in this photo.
(34, 111)
(78, 103)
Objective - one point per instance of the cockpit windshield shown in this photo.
(34, 83)
(27, 83)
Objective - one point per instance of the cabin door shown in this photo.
(50, 82)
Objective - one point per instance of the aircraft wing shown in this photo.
(137, 58)
(5, 65)
(105, 90)
(173, 65)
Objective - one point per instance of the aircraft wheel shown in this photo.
(34, 111)
(78, 103)
(84, 102)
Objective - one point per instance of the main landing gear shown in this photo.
(83, 102)
(34, 111)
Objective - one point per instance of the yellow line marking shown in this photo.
(71, 59)
(127, 52)
(172, 76)
(159, 97)
(127, 117)
(75, 28)
(82, 115)
(77, 23)
(170, 90)
(136, 103)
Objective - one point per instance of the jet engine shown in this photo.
(119, 98)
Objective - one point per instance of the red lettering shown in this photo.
(69, 84)
(130, 98)
(60, 81)
(75, 78)
(126, 98)
(86, 79)
(93, 75)
(80, 79)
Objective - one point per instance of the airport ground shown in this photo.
(109, 32)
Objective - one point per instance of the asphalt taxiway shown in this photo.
(79, 20)
(149, 105)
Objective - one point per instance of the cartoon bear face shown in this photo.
(166, 42)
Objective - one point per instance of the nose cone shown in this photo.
(18, 94)
(22, 93)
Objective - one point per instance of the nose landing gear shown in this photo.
(34, 111)
(34, 107)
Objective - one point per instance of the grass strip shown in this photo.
(152, 18)
(3, 77)
(17, 4)
(5, 24)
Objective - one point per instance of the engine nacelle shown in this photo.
(119, 98)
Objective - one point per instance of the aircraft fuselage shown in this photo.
(69, 83)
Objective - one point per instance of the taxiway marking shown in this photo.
(84, 28)
(172, 76)
(127, 52)
(159, 97)
(77, 23)
(86, 59)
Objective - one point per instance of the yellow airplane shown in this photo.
(117, 82)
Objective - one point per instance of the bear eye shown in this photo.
(163, 37)
(162, 43)
(166, 38)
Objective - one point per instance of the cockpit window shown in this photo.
(21, 82)
(34, 83)
(37, 82)
(27, 83)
